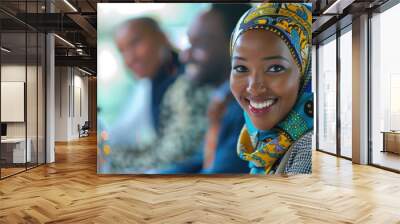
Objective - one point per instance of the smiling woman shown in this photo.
(270, 79)
(265, 78)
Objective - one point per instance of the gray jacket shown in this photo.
(297, 160)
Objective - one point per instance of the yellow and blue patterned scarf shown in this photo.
(292, 23)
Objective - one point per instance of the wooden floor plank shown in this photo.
(70, 191)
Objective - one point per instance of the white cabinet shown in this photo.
(18, 149)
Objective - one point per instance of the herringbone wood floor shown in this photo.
(69, 191)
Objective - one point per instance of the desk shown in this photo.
(16, 147)
(391, 141)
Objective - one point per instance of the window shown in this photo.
(327, 96)
(385, 89)
(346, 93)
(22, 77)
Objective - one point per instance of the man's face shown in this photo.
(140, 48)
(207, 59)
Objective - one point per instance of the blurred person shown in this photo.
(208, 61)
(271, 80)
(184, 120)
(182, 124)
(154, 63)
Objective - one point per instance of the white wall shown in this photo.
(10, 73)
(62, 81)
(80, 85)
(13, 73)
(33, 127)
(70, 83)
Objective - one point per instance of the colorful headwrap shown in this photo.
(292, 23)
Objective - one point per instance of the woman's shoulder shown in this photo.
(300, 157)
(303, 142)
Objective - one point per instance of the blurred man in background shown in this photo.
(208, 61)
(181, 110)
(154, 63)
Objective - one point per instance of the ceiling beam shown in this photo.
(86, 26)
(337, 7)
(82, 61)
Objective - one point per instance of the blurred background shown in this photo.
(156, 89)
(118, 85)
(113, 76)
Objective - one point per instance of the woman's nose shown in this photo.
(256, 85)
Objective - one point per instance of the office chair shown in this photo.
(84, 130)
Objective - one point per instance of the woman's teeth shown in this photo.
(261, 105)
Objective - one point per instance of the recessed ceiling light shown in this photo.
(64, 40)
(84, 71)
(332, 9)
(5, 50)
(70, 5)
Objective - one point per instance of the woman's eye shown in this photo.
(240, 68)
(276, 68)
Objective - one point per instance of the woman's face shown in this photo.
(264, 78)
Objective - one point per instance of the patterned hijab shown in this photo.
(292, 23)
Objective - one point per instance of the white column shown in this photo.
(50, 92)
(50, 110)
(360, 90)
